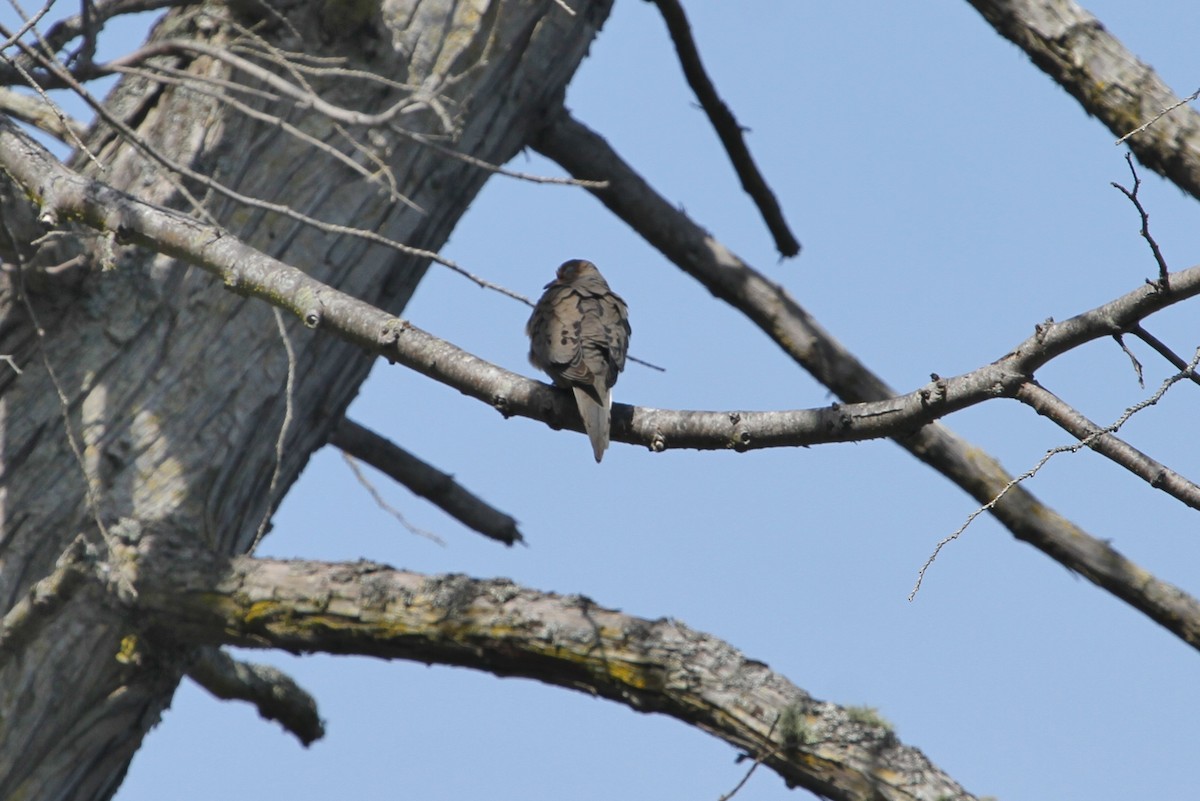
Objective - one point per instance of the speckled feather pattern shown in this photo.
(579, 335)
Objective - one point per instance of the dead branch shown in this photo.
(1132, 194)
(1163, 350)
(500, 627)
(585, 154)
(275, 694)
(1080, 55)
(727, 127)
(1103, 440)
(42, 115)
(62, 193)
(426, 481)
(253, 273)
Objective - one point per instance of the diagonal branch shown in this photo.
(500, 627)
(727, 127)
(585, 154)
(1103, 440)
(877, 413)
(426, 481)
(276, 695)
(1163, 350)
(64, 194)
(1074, 48)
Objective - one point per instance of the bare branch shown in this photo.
(352, 463)
(1161, 348)
(1102, 439)
(289, 394)
(502, 628)
(727, 127)
(39, 86)
(275, 694)
(41, 114)
(1159, 116)
(253, 273)
(60, 192)
(1132, 194)
(1080, 55)
(585, 154)
(425, 480)
(1137, 366)
(97, 13)
(1091, 436)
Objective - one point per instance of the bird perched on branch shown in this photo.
(578, 335)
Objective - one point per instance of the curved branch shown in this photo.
(1073, 47)
(61, 192)
(502, 628)
(878, 413)
(585, 154)
(275, 694)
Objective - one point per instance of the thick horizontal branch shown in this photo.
(585, 154)
(568, 641)
(1074, 48)
(63, 194)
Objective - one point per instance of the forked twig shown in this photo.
(1163, 270)
(1074, 447)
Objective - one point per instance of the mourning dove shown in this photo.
(578, 335)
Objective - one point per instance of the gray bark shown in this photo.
(173, 385)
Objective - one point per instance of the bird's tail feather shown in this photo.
(595, 417)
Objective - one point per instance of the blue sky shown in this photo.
(949, 197)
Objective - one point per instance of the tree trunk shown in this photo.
(171, 385)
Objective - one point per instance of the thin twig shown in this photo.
(727, 127)
(1137, 366)
(164, 75)
(427, 141)
(91, 482)
(1074, 447)
(289, 390)
(384, 505)
(1159, 116)
(1161, 348)
(1163, 270)
(758, 760)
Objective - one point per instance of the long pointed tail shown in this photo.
(595, 418)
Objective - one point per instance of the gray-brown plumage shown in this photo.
(578, 334)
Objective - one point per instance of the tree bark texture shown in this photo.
(1072, 47)
(153, 396)
(494, 625)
